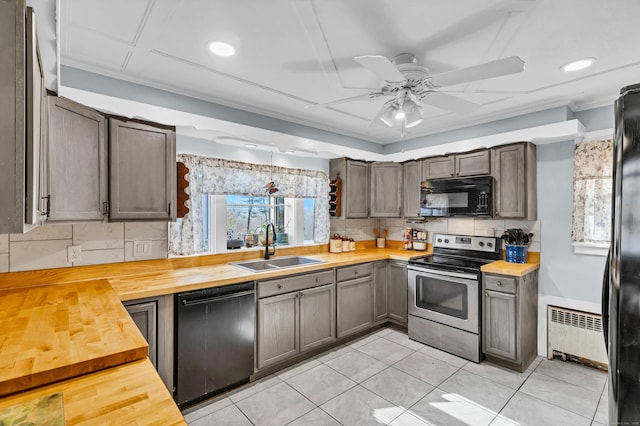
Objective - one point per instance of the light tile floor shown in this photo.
(385, 378)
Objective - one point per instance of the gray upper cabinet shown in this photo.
(397, 284)
(438, 167)
(77, 166)
(22, 119)
(466, 164)
(142, 178)
(473, 163)
(411, 178)
(514, 170)
(386, 190)
(355, 186)
(357, 189)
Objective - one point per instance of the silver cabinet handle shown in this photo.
(279, 286)
(499, 283)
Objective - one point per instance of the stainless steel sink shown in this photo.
(277, 263)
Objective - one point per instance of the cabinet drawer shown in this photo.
(298, 282)
(497, 283)
(352, 272)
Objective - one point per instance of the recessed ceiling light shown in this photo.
(250, 145)
(221, 48)
(578, 65)
(289, 151)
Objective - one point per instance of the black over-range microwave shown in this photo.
(456, 197)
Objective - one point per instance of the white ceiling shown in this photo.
(292, 53)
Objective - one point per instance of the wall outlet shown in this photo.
(142, 248)
(74, 254)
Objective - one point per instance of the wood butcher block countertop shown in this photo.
(507, 268)
(128, 394)
(187, 279)
(54, 332)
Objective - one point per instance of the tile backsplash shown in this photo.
(46, 246)
(488, 227)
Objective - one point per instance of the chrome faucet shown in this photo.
(266, 248)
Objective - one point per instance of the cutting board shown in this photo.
(50, 333)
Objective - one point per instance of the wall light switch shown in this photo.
(74, 254)
(142, 248)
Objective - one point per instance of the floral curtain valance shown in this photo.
(217, 176)
(592, 186)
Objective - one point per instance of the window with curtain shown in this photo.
(592, 188)
(246, 181)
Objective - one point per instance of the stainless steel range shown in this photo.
(444, 293)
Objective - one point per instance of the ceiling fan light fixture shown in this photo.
(400, 115)
(578, 65)
(412, 113)
(221, 48)
(388, 116)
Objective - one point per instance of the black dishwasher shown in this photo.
(215, 330)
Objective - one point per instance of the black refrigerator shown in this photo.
(621, 286)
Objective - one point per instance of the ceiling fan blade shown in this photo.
(382, 67)
(345, 100)
(491, 69)
(450, 103)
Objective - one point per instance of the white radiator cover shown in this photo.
(576, 334)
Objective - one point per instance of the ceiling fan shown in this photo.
(410, 85)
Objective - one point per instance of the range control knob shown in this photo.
(481, 244)
(489, 244)
(446, 241)
(439, 240)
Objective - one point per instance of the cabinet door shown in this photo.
(473, 163)
(510, 189)
(438, 167)
(355, 301)
(499, 325)
(142, 165)
(277, 328)
(386, 190)
(317, 316)
(411, 178)
(398, 287)
(380, 291)
(145, 316)
(77, 161)
(357, 189)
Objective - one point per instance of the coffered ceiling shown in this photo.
(295, 53)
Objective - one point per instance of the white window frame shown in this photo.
(294, 216)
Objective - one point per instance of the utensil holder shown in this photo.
(516, 253)
(381, 242)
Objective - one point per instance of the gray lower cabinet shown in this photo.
(278, 337)
(295, 314)
(380, 291)
(154, 318)
(411, 179)
(515, 189)
(317, 316)
(397, 291)
(386, 189)
(510, 319)
(142, 171)
(77, 162)
(354, 299)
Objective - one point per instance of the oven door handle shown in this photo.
(435, 273)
